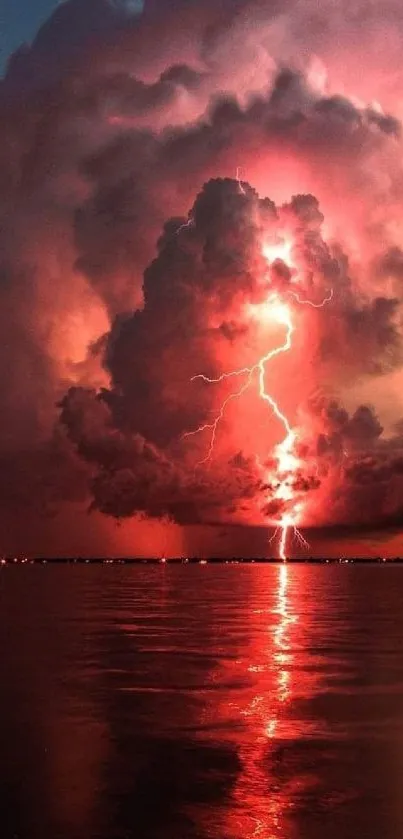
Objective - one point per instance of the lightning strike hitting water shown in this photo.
(288, 462)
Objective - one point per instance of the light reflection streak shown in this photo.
(261, 805)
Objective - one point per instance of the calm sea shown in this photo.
(220, 702)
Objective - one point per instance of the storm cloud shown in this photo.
(132, 254)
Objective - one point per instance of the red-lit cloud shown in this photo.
(132, 260)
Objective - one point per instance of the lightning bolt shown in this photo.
(239, 176)
(309, 302)
(286, 459)
(288, 462)
(186, 225)
(282, 531)
(212, 426)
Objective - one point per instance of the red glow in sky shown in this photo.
(286, 462)
(153, 287)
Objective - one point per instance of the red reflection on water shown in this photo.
(265, 790)
(271, 660)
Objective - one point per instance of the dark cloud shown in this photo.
(135, 175)
(40, 480)
(389, 266)
(359, 469)
(132, 476)
(129, 249)
(134, 433)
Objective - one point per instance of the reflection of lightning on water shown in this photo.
(281, 657)
(265, 715)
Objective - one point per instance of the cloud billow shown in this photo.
(130, 253)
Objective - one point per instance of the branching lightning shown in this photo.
(287, 461)
(212, 426)
(310, 302)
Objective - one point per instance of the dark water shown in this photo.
(227, 702)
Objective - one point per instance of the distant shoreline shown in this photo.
(7, 561)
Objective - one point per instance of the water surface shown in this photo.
(217, 702)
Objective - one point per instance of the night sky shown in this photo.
(201, 273)
(20, 21)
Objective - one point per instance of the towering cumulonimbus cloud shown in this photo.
(132, 257)
(211, 271)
